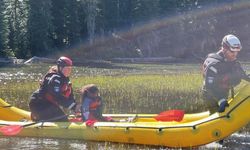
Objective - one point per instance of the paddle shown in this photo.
(169, 115)
(10, 130)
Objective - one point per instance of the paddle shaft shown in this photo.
(130, 115)
(134, 115)
(126, 115)
(10, 130)
(41, 121)
(7, 106)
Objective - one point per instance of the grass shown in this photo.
(126, 88)
(141, 93)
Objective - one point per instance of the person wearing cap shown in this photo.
(55, 93)
(221, 73)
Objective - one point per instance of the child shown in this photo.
(92, 104)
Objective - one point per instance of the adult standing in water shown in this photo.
(222, 72)
(55, 93)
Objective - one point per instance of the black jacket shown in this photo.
(221, 75)
(57, 89)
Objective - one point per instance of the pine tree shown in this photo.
(66, 23)
(167, 7)
(16, 14)
(145, 10)
(58, 20)
(81, 10)
(91, 11)
(72, 24)
(3, 37)
(120, 10)
(39, 27)
(125, 13)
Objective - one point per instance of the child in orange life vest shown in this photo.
(92, 104)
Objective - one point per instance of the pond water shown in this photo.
(235, 141)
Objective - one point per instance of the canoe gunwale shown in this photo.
(227, 115)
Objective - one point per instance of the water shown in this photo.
(236, 141)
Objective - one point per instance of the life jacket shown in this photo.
(211, 59)
(95, 104)
(226, 70)
(54, 78)
(66, 89)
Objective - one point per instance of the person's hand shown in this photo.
(248, 79)
(223, 106)
(71, 112)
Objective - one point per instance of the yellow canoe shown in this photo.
(195, 132)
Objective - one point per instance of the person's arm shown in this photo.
(238, 73)
(247, 78)
(85, 108)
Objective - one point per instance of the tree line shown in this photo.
(41, 27)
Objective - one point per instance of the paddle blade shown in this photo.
(170, 115)
(11, 130)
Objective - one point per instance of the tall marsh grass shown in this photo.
(130, 89)
(125, 88)
(146, 93)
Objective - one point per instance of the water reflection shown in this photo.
(239, 141)
(235, 141)
(14, 143)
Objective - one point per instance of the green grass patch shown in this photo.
(126, 88)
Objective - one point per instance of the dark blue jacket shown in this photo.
(221, 75)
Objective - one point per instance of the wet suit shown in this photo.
(55, 91)
(219, 77)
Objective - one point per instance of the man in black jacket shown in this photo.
(222, 73)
